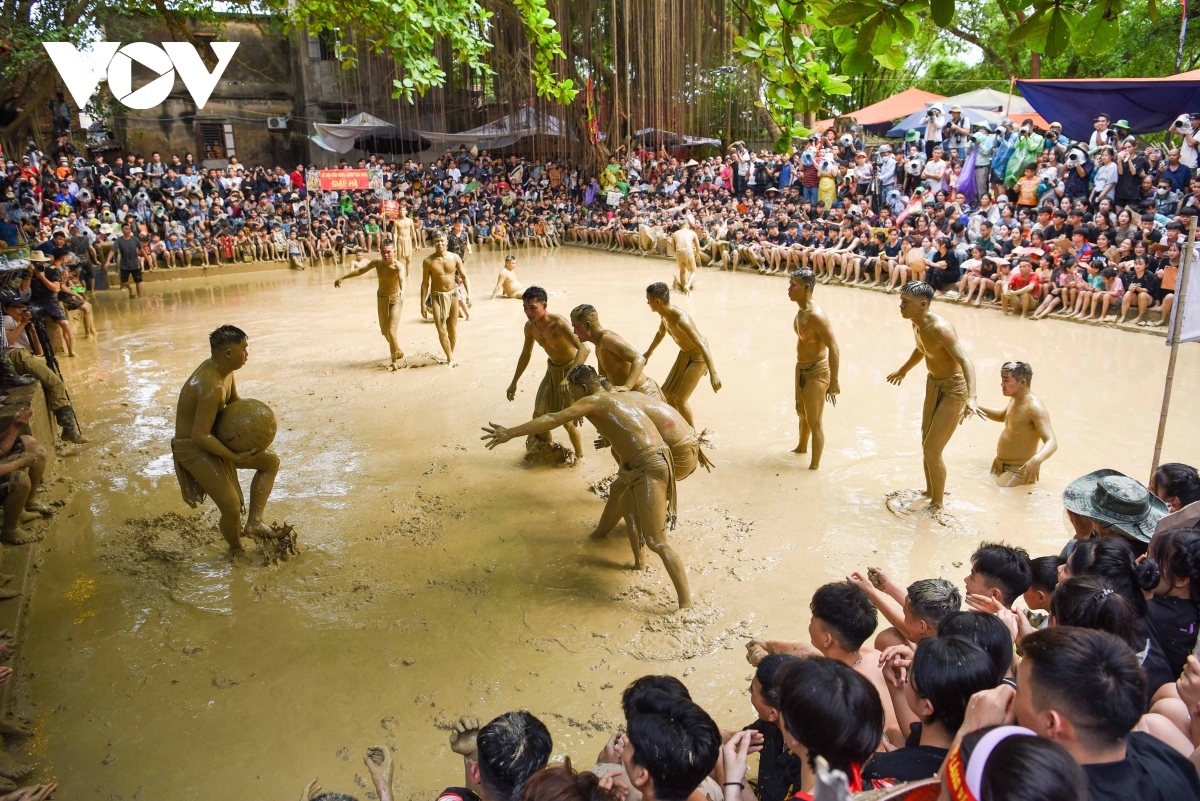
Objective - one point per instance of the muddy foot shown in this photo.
(11, 769)
(28, 516)
(19, 536)
(260, 529)
(597, 534)
(800, 449)
(39, 507)
(15, 727)
(4, 579)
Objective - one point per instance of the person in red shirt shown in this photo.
(297, 179)
(1022, 289)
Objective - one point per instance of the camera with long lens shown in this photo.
(1076, 157)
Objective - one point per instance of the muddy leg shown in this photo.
(265, 465)
(650, 509)
(943, 425)
(679, 397)
(14, 505)
(36, 470)
(812, 407)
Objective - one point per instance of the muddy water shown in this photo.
(437, 578)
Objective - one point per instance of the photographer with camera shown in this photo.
(1102, 135)
(956, 135)
(934, 123)
(24, 351)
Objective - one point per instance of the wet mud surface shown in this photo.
(435, 578)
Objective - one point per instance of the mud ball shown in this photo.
(246, 425)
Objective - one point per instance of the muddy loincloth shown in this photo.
(551, 395)
(941, 391)
(815, 371)
(1000, 467)
(655, 463)
(187, 453)
(444, 303)
(404, 246)
(687, 455)
(683, 361)
(648, 386)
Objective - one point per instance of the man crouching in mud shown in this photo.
(646, 472)
(203, 465)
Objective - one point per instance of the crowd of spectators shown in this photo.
(1065, 677)
(1088, 689)
(1006, 215)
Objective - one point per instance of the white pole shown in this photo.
(1173, 340)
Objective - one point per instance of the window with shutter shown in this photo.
(210, 140)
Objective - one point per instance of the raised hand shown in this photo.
(496, 435)
(463, 734)
(379, 764)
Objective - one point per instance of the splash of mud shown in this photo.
(279, 548)
(538, 451)
(602, 488)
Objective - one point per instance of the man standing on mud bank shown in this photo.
(203, 465)
(564, 352)
(646, 470)
(390, 295)
(693, 360)
(949, 389)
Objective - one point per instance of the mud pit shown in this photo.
(436, 578)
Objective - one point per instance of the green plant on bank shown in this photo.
(779, 41)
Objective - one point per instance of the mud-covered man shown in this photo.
(390, 296)
(564, 352)
(646, 462)
(203, 464)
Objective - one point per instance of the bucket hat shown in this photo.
(1117, 501)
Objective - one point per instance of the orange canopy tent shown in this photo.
(889, 110)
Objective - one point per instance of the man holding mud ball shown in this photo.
(203, 464)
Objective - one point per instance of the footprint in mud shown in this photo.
(913, 504)
(698, 630)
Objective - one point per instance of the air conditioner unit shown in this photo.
(277, 123)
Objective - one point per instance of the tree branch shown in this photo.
(989, 52)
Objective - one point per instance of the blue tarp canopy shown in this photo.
(1149, 104)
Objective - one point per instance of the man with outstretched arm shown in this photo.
(563, 353)
(646, 464)
(390, 296)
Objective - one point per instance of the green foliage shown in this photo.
(408, 31)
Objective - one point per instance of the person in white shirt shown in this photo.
(935, 121)
(1103, 135)
(935, 169)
